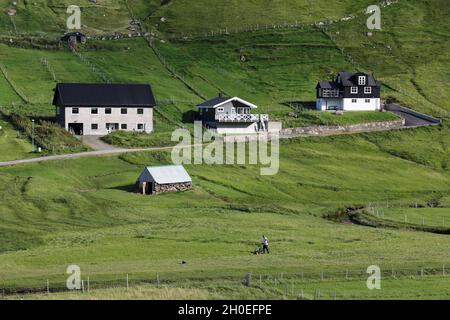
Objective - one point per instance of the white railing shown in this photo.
(242, 117)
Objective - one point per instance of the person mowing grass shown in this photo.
(265, 245)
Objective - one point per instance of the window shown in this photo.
(368, 90)
(108, 111)
(124, 127)
(124, 111)
(220, 109)
(94, 126)
(75, 110)
(362, 80)
(94, 111)
(140, 126)
(354, 100)
(354, 90)
(140, 111)
(367, 100)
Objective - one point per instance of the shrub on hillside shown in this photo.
(47, 135)
(128, 139)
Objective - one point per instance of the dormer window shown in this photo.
(368, 90)
(362, 80)
(354, 90)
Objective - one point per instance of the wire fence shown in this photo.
(291, 281)
(276, 25)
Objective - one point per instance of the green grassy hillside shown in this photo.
(85, 212)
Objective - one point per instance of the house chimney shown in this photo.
(220, 94)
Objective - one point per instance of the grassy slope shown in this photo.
(90, 210)
(62, 212)
(48, 17)
(11, 146)
(398, 288)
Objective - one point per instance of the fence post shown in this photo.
(82, 286)
(157, 280)
(48, 286)
(88, 285)
(260, 281)
(248, 279)
(301, 294)
(127, 281)
(443, 270)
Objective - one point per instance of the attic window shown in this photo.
(362, 80)
(354, 90)
(368, 90)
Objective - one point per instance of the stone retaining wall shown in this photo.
(331, 130)
(175, 187)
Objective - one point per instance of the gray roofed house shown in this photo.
(161, 179)
(232, 115)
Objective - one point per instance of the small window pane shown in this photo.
(140, 126)
(94, 111)
(124, 127)
(140, 111)
(75, 110)
(94, 126)
(108, 111)
(124, 111)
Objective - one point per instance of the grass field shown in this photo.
(433, 217)
(405, 288)
(85, 211)
(11, 145)
(97, 221)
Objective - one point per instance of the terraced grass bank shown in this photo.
(404, 288)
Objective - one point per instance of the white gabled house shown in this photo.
(349, 92)
(232, 115)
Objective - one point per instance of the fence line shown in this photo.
(263, 281)
(278, 25)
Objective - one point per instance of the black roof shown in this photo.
(351, 79)
(214, 102)
(103, 95)
(348, 79)
(328, 85)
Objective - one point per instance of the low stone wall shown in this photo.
(331, 130)
(175, 187)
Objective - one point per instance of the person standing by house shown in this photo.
(265, 244)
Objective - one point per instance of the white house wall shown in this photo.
(131, 119)
(237, 128)
(349, 105)
(362, 105)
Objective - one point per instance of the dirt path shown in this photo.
(79, 155)
(96, 143)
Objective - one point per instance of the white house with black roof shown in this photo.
(99, 109)
(349, 92)
(232, 115)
